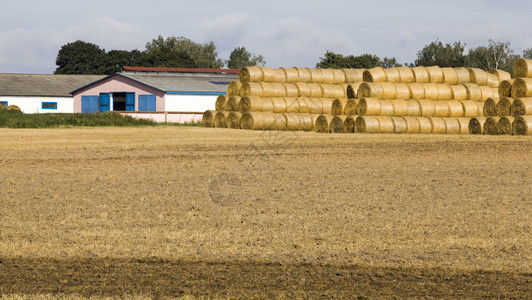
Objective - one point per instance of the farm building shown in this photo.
(42, 93)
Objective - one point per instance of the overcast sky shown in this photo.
(287, 33)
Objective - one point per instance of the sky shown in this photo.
(286, 33)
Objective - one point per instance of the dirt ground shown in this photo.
(171, 212)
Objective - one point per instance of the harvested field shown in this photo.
(221, 213)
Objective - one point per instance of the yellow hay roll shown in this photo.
(438, 125)
(307, 121)
(412, 124)
(403, 91)
(480, 106)
(337, 124)
(417, 91)
(292, 106)
(352, 90)
(486, 92)
(392, 75)
(501, 75)
(316, 76)
(388, 90)
(414, 108)
(523, 68)
(333, 91)
(303, 89)
(304, 105)
(473, 91)
(444, 92)
(251, 103)
(399, 125)
(339, 76)
(505, 88)
(421, 75)
(207, 119)
(327, 76)
(449, 75)
(279, 104)
(350, 107)
(490, 107)
(370, 90)
(386, 124)
(291, 90)
(251, 74)
(459, 92)
(504, 126)
(427, 108)
(495, 92)
(221, 103)
(279, 89)
(315, 90)
(367, 124)
(337, 106)
(492, 80)
(452, 126)
(233, 89)
(233, 103)
(521, 106)
(256, 120)
(476, 125)
(369, 106)
(503, 106)
(431, 91)
(315, 105)
(522, 125)
(470, 108)
(326, 104)
(291, 74)
(463, 75)
(435, 74)
(268, 74)
(280, 76)
(251, 89)
(220, 119)
(233, 120)
(322, 124)
(441, 109)
(456, 109)
(406, 75)
(376, 74)
(269, 89)
(464, 125)
(425, 125)
(478, 76)
(353, 75)
(522, 87)
(400, 107)
(490, 126)
(304, 75)
(386, 108)
(349, 123)
(293, 122)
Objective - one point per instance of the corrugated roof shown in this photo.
(181, 70)
(43, 84)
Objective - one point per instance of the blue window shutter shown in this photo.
(147, 102)
(105, 99)
(89, 104)
(130, 101)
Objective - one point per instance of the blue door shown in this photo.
(130, 101)
(89, 104)
(105, 99)
(147, 103)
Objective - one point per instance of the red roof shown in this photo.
(181, 70)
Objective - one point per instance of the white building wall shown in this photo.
(33, 104)
(189, 103)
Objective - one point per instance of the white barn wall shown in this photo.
(33, 104)
(189, 103)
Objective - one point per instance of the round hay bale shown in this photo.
(233, 103)
(522, 125)
(268, 89)
(495, 92)
(251, 74)
(473, 91)
(337, 124)
(431, 91)
(367, 124)
(523, 68)
(459, 92)
(327, 76)
(490, 107)
(427, 108)
(425, 125)
(522, 87)
(233, 120)
(504, 126)
(280, 122)
(279, 104)
(470, 108)
(402, 91)
(406, 75)
(438, 125)
(220, 119)
(257, 120)
(449, 75)
(521, 106)
(233, 89)
(326, 104)
(480, 106)
(399, 125)
(352, 90)
(353, 75)
(444, 92)
(268, 74)
(386, 108)
(463, 75)
(303, 89)
(315, 105)
(316, 76)
(503, 106)
(369, 107)
(386, 124)
(441, 109)
(476, 125)
(464, 125)
(400, 107)
(338, 76)
(337, 106)
(221, 103)
(291, 90)
(207, 119)
(388, 90)
(414, 108)
(315, 90)
(417, 91)
(452, 126)
(307, 121)
(492, 80)
(349, 123)
(505, 88)
(500, 74)
(251, 89)
(376, 74)
(435, 74)
(293, 122)
(292, 106)
(304, 105)
(304, 75)
(490, 126)
(456, 109)
(250, 103)
(370, 90)
(350, 107)
(322, 124)
(291, 74)
(279, 89)
(478, 76)
(392, 75)
(333, 91)
(486, 92)
(421, 74)
(412, 124)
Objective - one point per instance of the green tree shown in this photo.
(80, 58)
(496, 55)
(365, 61)
(438, 54)
(389, 63)
(240, 58)
(527, 53)
(116, 59)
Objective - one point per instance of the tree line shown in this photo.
(179, 52)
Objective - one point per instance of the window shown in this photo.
(49, 105)
(4, 103)
(220, 82)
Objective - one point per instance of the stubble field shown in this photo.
(181, 211)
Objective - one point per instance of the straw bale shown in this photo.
(257, 120)
(304, 75)
(291, 90)
(503, 106)
(327, 76)
(303, 89)
(315, 105)
(233, 89)
(417, 91)
(315, 90)
(386, 108)
(291, 74)
(425, 125)
(233, 103)
(293, 122)
(221, 103)
(279, 104)
(427, 108)
(279, 89)
(476, 125)
(412, 124)
(349, 123)
(406, 75)
(492, 80)
(207, 119)
(376, 74)
(459, 92)
(421, 75)
(220, 119)
(402, 91)
(386, 124)
(456, 109)
(307, 121)
(490, 107)
(522, 87)
(352, 90)
(316, 76)
(452, 125)
(501, 75)
(292, 106)
(521, 106)
(431, 91)
(438, 125)
(464, 125)
(480, 106)
(339, 76)
(337, 124)
(370, 90)
(486, 92)
(251, 89)
(350, 107)
(268, 74)
(400, 107)
(399, 125)
(478, 76)
(388, 90)
(523, 68)
(333, 91)
(522, 125)
(367, 124)
(369, 106)
(504, 126)
(251, 74)
(280, 75)
(326, 104)
(495, 92)
(449, 75)
(473, 91)
(414, 108)
(269, 89)
(251, 103)
(392, 75)
(304, 105)
(353, 75)
(441, 109)
(435, 74)
(470, 108)
(233, 120)
(337, 106)
(463, 75)
(490, 126)
(322, 123)
(444, 92)
(505, 88)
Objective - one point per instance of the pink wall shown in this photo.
(119, 84)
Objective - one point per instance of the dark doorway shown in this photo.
(119, 101)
